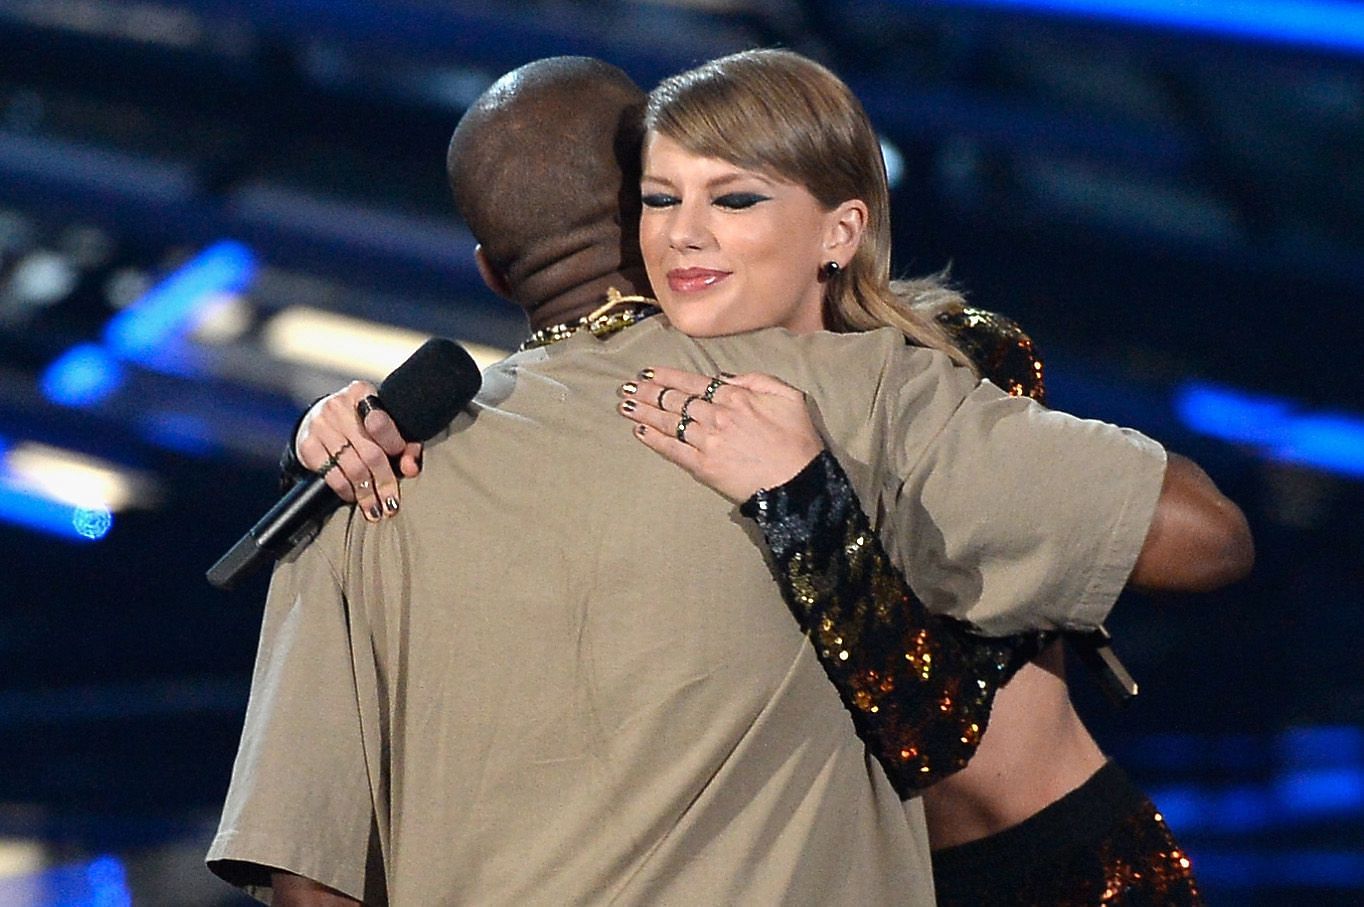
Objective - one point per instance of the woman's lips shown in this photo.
(691, 280)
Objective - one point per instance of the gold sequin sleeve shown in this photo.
(1001, 350)
(919, 685)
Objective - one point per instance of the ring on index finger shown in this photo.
(709, 394)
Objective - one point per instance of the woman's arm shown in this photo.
(919, 686)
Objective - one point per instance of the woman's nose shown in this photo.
(687, 228)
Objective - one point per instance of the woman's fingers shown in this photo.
(682, 429)
(664, 442)
(676, 380)
(360, 470)
(754, 433)
(765, 384)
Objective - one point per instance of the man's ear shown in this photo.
(845, 226)
(491, 276)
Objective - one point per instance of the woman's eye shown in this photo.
(659, 200)
(739, 200)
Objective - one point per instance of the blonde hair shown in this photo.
(784, 115)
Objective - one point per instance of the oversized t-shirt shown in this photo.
(564, 673)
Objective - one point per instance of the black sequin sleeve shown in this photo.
(919, 686)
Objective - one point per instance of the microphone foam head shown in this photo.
(426, 392)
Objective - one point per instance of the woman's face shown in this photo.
(731, 250)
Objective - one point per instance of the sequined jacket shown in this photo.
(919, 686)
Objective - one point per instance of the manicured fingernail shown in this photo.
(629, 388)
(392, 505)
(375, 512)
(641, 429)
(646, 374)
(628, 406)
(728, 375)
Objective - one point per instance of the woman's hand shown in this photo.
(741, 433)
(333, 431)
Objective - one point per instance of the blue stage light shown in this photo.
(102, 882)
(1277, 428)
(82, 376)
(1322, 792)
(1329, 24)
(167, 310)
(53, 517)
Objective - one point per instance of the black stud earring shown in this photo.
(831, 269)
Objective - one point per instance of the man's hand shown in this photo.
(333, 432)
(742, 433)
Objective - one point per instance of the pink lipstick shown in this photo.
(693, 280)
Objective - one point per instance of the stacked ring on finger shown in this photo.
(367, 405)
(687, 403)
(709, 394)
(330, 463)
(661, 394)
(682, 425)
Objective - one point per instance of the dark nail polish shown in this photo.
(375, 512)
(641, 429)
(392, 505)
(728, 375)
(628, 406)
(629, 388)
(646, 374)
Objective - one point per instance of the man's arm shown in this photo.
(1198, 541)
(295, 891)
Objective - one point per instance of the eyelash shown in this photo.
(732, 201)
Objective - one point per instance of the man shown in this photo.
(565, 675)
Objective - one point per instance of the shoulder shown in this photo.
(1000, 349)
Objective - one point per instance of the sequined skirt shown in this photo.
(1103, 843)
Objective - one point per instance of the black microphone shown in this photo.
(423, 395)
(1095, 649)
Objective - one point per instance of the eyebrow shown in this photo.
(712, 183)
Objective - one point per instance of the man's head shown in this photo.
(545, 170)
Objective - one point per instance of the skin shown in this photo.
(742, 270)
(730, 250)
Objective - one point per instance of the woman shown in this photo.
(762, 168)
(806, 151)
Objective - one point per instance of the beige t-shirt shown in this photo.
(564, 674)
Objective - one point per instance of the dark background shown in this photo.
(1170, 208)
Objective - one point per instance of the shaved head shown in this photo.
(545, 170)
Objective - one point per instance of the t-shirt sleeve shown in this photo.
(300, 798)
(1012, 516)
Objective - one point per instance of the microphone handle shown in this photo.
(276, 532)
(1095, 649)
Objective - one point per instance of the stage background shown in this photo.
(212, 212)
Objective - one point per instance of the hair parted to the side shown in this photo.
(784, 115)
